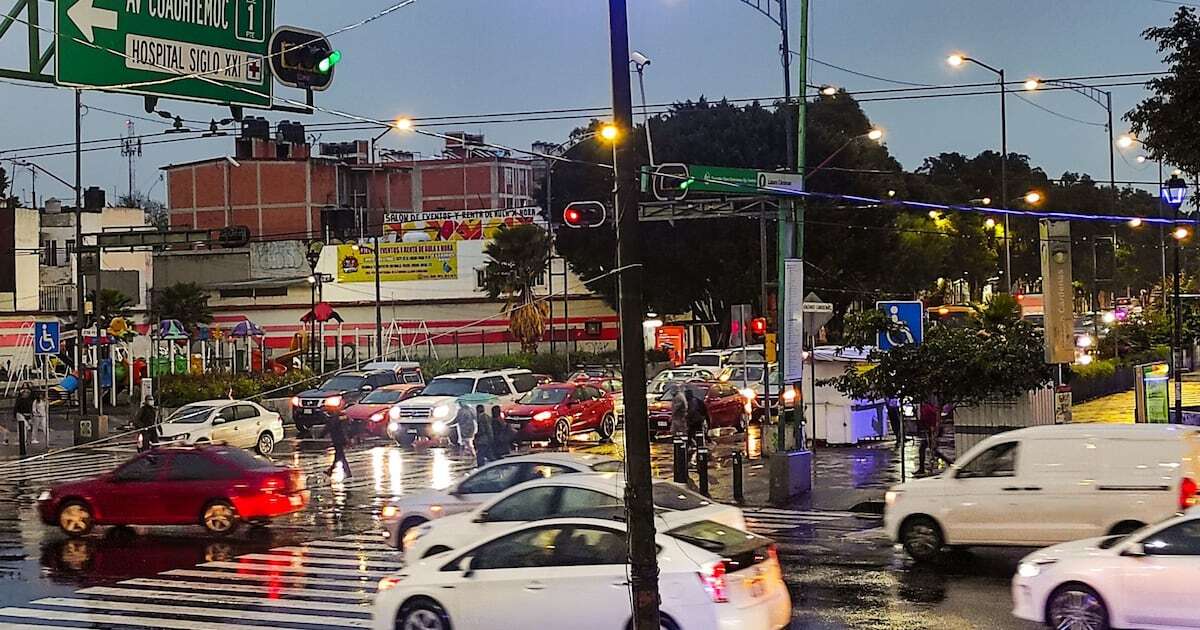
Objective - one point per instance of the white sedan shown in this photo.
(560, 496)
(404, 513)
(572, 573)
(1147, 579)
(239, 423)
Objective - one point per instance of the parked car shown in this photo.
(749, 380)
(311, 408)
(404, 513)
(368, 416)
(239, 423)
(406, 371)
(557, 411)
(573, 573)
(432, 414)
(1147, 579)
(613, 387)
(213, 486)
(655, 387)
(1049, 484)
(589, 372)
(711, 361)
(724, 406)
(561, 495)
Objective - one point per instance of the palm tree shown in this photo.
(517, 258)
(112, 304)
(183, 301)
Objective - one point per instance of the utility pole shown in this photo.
(639, 503)
(80, 389)
(378, 305)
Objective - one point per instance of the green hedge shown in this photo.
(177, 390)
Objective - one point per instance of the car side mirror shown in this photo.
(466, 565)
(1136, 550)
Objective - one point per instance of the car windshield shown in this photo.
(449, 387)
(382, 397)
(714, 537)
(245, 459)
(191, 414)
(343, 383)
(610, 466)
(711, 360)
(545, 396)
(676, 497)
(699, 390)
(749, 373)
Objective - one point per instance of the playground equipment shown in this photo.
(395, 346)
(165, 341)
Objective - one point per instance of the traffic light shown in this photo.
(584, 214)
(671, 182)
(303, 59)
(758, 326)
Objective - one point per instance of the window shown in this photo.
(227, 414)
(610, 466)
(527, 548)
(675, 497)
(543, 471)
(493, 385)
(196, 467)
(589, 546)
(544, 396)
(575, 499)
(238, 458)
(70, 248)
(526, 505)
(998, 461)
(245, 412)
(144, 468)
(713, 360)
(412, 376)
(480, 278)
(447, 386)
(524, 382)
(492, 480)
(1178, 540)
(382, 378)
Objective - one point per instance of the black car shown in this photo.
(311, 408)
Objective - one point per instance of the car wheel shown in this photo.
(922, 539)
(219, 518)
(266, 443)
(1076, 607)
(75, 518)
(562, 432)
(422, 614)
(405, 525)
(608, 426)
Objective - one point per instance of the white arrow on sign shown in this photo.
(87, 17)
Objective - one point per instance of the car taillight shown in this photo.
(1187, 494)
(272, 484)
(295, 401)
(333, 402)
(773, 553)
(712, 576)
(389, 582)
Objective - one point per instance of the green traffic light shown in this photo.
(329, 62)
(687, 183)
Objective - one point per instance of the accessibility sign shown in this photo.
(46, 338)
(910, 316)
(137, 46)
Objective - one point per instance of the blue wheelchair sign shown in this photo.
(911, 316)
(45, 338)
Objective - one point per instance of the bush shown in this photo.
(176, 390)
(1105, 368)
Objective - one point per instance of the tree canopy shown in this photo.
(183, 301)
(516, 259)
(1165, 121)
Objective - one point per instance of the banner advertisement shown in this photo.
(400, 262)
(459, 225)
(1151, 398)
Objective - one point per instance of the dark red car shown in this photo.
(369, 415)
(556, 411)
(213, 486)
(723, 406)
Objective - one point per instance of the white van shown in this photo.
(1049, 484)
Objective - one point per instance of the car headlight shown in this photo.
(749, 394)
(890, 497)
(394, 413)
(393, 427)
(377, 416)
(333, 402)
(389, 511)
(543, 416)
(441, 411)
(1033, 569)
(438, 426)
(44, 496)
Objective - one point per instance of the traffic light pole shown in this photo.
(639, 503)
(81, 391)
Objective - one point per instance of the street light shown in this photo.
(1032, 197)
(956, 60)
(829, 90)
(640, 61)
(403, 124)
(610, 132)
(875, 134)
(1173, 192)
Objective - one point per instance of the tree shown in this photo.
(112, 304)
(1165, 122)
(183, 301)
(156, 211)
(994, 357)
(516, 259)
(5, 182)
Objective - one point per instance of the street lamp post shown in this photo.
(875, 134)
(1173, 192)
(958, 60)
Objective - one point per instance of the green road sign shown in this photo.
(136, 41)
(722, 180)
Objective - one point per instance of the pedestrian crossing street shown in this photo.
(317, 584)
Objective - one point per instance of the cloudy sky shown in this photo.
(448, 57)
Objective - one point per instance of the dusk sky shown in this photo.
(445, 57)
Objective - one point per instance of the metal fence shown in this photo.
(1085, 389)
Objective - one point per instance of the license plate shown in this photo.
(515, 424)
(412, 430)
(757, 586)
(662, 425)
(307, 412)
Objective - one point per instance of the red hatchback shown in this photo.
(556, 411)
(214, 486)
(369, 415)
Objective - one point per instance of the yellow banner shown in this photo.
(400, 262)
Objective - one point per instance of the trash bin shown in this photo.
(89, 428)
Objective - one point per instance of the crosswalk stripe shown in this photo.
(282, 579)
(362, 537)
(316, 560)
(375, 544)
(196, 611)
(334, 552)
(248, 566)
(123, 620)
(27, 626)
(231, 600)
(249, 588)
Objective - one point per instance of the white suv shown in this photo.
(432, 413)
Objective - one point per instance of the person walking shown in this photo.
(484, 429)
(23, 412)
(697, 422)
(928, 421)
(336, 430)
(502, 435)
(679, 419)
(465, 426)
(146, 422)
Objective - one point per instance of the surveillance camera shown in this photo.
(232, 162)
(639, 59)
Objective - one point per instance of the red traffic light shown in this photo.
(584, 214)
(758, 326)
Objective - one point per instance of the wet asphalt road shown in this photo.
(840, 570)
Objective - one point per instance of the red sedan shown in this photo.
(369, 415)
(556, 411)
(214, 486)
(722, 406)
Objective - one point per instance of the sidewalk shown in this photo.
(62, 434)
(1118, 408)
